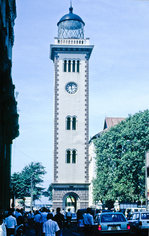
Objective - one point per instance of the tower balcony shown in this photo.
(71, 41)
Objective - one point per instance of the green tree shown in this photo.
(120, 160)
(28, 182)
(48, 193)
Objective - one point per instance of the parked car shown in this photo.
(139, 221)
(112, 223)
(74, 217)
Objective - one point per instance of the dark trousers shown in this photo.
(60, 232)
(10, 231)
(88, 230)
(38, 228)
(68, 221)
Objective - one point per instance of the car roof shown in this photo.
(111, 213)
(141, 212)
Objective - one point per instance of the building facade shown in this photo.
(9, 128)
(70, 54)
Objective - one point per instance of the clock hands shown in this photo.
(71, 87)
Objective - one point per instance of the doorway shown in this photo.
(71, 201)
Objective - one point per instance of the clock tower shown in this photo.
(70, 54)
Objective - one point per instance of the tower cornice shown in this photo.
(55, 49)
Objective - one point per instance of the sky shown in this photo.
(118, 72)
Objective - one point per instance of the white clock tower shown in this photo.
(70, 54)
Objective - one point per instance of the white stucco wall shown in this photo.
(73, 105)
(147, 178)
(92, 171)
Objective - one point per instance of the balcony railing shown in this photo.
(71, 41)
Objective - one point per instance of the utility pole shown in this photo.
(147, 179)
(32, 189)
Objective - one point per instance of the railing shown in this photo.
(72, 41)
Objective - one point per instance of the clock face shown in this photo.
(71, 87)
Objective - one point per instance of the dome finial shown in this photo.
(70, 8)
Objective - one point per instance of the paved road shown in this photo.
(66, 232)
(72, 232)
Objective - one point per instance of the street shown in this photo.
(74, 232)
(66, 232)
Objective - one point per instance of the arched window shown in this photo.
(71, 156)
(65, 65)
(71, 123)
(74, 121)
(68, 156)
(68, 123)
(69, 66)
(78, 66)
(74, 156)
(73, 66)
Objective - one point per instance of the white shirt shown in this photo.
(44, 217)
(37, 218)
(50, 227)
(10, 222)
(17, 214)
(68, 214)
(3, 230)
(30, 215)
(88, 219)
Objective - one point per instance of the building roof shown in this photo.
(112, 121)
(70, 16)
(96, 136)
(108, 123)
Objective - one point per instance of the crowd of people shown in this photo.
(43, 222)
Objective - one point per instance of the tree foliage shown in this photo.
(120, 160)
(48, 193)
(28, 181)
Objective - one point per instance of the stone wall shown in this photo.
(79, 192)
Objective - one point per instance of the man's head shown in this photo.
(89, 210)
(58, 210)
(44, 209)
(9, 212)
(49, 216)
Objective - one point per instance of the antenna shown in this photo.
(71, 8)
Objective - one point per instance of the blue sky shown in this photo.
(119, 68)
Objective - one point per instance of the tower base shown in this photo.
(73, 196)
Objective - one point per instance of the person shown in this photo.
(59, 218)
(53, 213)
(30, 217)
(37, 221)
(63, 211)
(19, 230)
(68, 217)
(44, 214)
(50, 227)
(17, 213)
(2, 227)
(88, 222)
(10, 223)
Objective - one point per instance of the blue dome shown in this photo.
(71, 16)
(71, 26)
